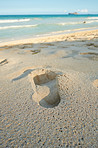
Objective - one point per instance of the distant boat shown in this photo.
(74, 13)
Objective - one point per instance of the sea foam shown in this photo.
(75, 23)
(14, 21)
(21, 26)
(69, 23)
(92, 18)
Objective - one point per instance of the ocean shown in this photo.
(15, 27)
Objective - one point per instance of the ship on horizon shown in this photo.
(74, 13)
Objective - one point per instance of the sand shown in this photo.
(49, 91)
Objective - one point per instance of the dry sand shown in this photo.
(49, 91)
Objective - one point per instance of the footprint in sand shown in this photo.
(45, 86)
(3, 61)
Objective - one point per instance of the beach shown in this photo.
(49, 91)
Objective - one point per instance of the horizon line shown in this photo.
(54, 14)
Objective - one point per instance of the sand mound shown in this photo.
(45, 88)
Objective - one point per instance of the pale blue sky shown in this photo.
(47, 6)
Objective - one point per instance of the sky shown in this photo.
(12, 7)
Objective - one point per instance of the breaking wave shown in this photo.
(74, 23)
(14, 21)
(69, 23)
(92, 21)
(15, 27)
(92, 18)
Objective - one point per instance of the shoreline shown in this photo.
(52, 38)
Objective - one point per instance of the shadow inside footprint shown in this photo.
(46, 89)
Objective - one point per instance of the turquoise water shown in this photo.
(14, 27)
